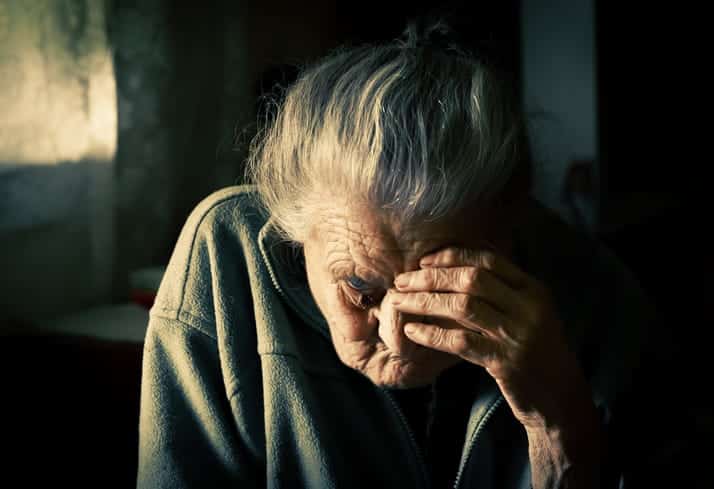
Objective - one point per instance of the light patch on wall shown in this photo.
(58, 138)
(57, 87)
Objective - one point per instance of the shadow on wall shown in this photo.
(57, 240)
(169, 75)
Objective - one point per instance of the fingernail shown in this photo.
(395, 299)
(401, 281)
(410, 329)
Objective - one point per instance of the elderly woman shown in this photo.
(385, 305)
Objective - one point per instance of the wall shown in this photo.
(559, 90)
(118, 117)
(57, 143)
(187, 80)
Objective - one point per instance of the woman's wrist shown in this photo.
(567, 452)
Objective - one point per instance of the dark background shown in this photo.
(70, 414)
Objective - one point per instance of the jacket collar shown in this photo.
(288, 278)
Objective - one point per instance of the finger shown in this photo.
(466, 344)
(499, 265)
(478, 282)
(391, 331)
(465, 309)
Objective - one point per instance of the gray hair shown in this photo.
(414, 131)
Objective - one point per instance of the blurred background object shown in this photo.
(117, 117)
(579, 194)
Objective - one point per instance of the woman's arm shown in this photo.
(188, 436)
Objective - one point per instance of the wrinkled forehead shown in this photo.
(376, 240)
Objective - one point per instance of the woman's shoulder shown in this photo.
(211, 255)
(234, 205)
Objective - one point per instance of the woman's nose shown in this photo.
(391, 328)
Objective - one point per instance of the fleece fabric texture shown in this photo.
(242, 387)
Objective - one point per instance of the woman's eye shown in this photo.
(364, 295)
(357, 283)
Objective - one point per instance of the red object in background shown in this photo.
(143, 298)
(144, 284)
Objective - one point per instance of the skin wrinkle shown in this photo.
(357, 240)
(361, 249)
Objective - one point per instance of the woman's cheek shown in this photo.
(352, 323)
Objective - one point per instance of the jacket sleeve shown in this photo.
(187, 432)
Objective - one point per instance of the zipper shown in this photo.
(309, 318)
(474, 438)
(420, 460)
(261, 245)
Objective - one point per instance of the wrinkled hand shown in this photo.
(485, 310)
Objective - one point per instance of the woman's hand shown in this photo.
(487, 311)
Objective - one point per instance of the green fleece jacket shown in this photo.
(242, 386)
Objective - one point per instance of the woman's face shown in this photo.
(351, 260)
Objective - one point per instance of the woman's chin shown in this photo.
(396, 372)
(390, 369)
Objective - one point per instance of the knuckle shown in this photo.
(469, 277)
(487, 259)
(459, 341)
(460, 304)
(418, 279)
(508, 334)
(434, 279)
(431, 278)
(438, 337)
(480, 277)
(451, 255)
(423, 300)
(464, 255)
(494, 360)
